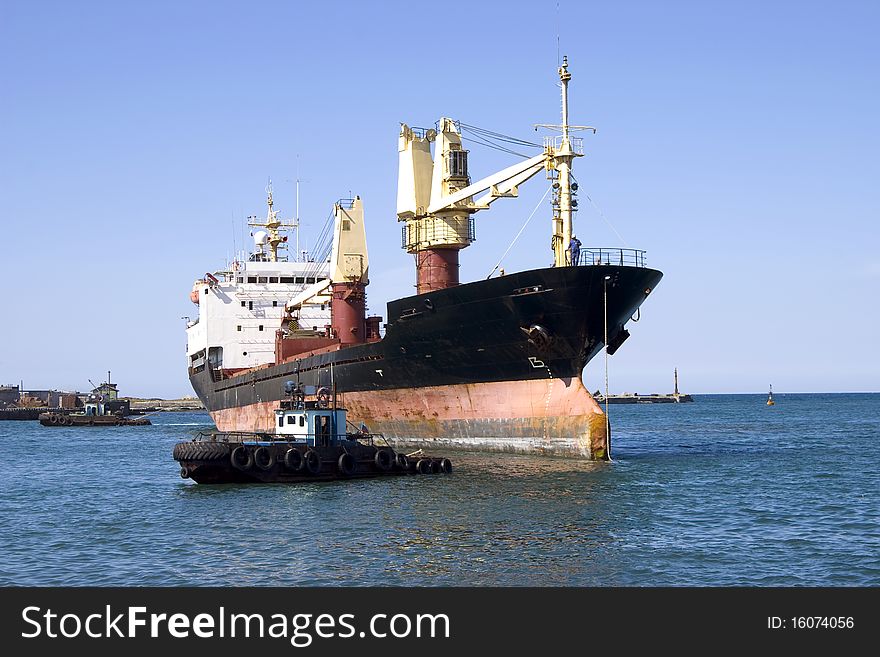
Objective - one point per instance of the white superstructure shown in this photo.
(241, 309)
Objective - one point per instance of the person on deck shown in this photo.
(575, 250)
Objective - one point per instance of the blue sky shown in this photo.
(737, 143)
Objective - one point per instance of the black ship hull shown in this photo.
(489, 365)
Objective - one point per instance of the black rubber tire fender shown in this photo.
(293, 460)
(384, 459)
(403, 461)
(312, 462)
(53, 419)
(423, 466)
(264, 458)
(200, 451)
(178, 452)
(346, 464)
(445, 466)
(242, 458)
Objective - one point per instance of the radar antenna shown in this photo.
(273, 226)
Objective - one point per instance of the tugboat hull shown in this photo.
(220, 460)
(72, 420)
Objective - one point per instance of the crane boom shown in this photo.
(501, 184)
(436, 200)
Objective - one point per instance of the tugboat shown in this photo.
(96, 414)
(310, 442)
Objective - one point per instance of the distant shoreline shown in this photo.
(155, 404)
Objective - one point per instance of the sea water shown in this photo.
(722, 491)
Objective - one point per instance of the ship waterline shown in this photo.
(552, 417)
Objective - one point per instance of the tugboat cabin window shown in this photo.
(262, 279)
(281, 420)
(242, 304)
(261, 327)
(252, 279)
(287, 279)
(273, 279)
(322, 430)
(302, 421)
(250, 305)
(291, 419)
(300, 279)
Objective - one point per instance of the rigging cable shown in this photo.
(479, 140)
(607, 417)
(602, 214)
(518, 234)
(322, 248)
(490, 138)
(500, 136)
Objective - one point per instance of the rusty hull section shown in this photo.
(550, 417)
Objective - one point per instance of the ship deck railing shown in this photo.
(555, 143)
(268, 438)
(612, 256)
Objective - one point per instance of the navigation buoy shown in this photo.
(770, 401)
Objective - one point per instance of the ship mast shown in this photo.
(296, 220)
(272, 225)
(563, 150)
(564, 157)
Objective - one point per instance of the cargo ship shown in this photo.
(488, 365)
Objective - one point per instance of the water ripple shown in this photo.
(723, 491)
